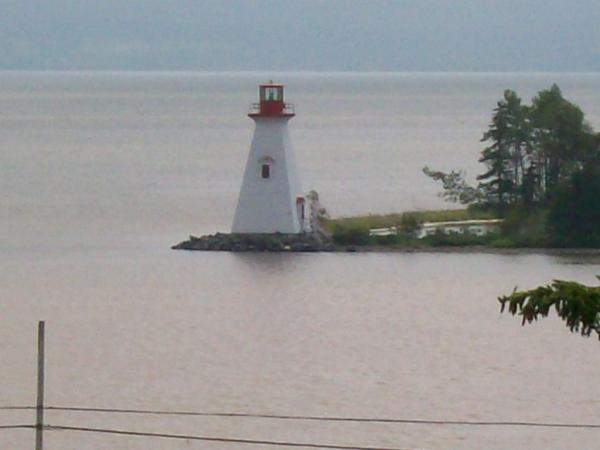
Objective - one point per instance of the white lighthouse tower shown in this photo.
(270, 197)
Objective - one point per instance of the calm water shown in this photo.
(101, 173)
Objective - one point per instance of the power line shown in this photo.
(11, 427)
(318, 418)
(217, 439)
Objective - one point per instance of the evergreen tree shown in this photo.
(528, 191)
(542, 168)
(504, 158)
(574, 216)
(561, 139)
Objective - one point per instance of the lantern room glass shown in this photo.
(271, 93)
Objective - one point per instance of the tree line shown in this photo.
(542, 171)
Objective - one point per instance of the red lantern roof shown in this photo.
(271, 102)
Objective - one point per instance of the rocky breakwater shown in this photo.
(276, 242)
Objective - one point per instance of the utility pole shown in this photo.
(39, 424)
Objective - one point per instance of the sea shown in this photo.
(101, 172)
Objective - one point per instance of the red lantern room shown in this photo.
(271, 102)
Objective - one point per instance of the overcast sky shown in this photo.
(365, 35)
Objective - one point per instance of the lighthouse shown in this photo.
(270, 198)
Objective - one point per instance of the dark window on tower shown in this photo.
(266, 171)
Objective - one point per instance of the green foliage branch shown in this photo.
(576, 304)
(455, 187)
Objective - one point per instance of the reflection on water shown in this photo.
(102, 173)
(579, 259)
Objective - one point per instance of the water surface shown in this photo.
(101, 172)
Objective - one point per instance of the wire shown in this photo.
(217, 439)
(16, 407)
(329, 419)
(11, 427)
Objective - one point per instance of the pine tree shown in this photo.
(561, 139)
(504, 157)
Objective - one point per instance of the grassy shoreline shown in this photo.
(369, 221)
(354, 232)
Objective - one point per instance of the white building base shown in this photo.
(270, 189)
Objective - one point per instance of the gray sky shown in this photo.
(365, 35)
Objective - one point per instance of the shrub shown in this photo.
(441, 239)
(409, 225)
(350, 236)
(390, 239)
(574, 216)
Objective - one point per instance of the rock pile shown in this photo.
(276, 242)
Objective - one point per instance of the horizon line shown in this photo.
(291, 71)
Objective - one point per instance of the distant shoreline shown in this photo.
(474, 249)
(360, 234)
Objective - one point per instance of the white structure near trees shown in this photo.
(479, 227)
(270, 198)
